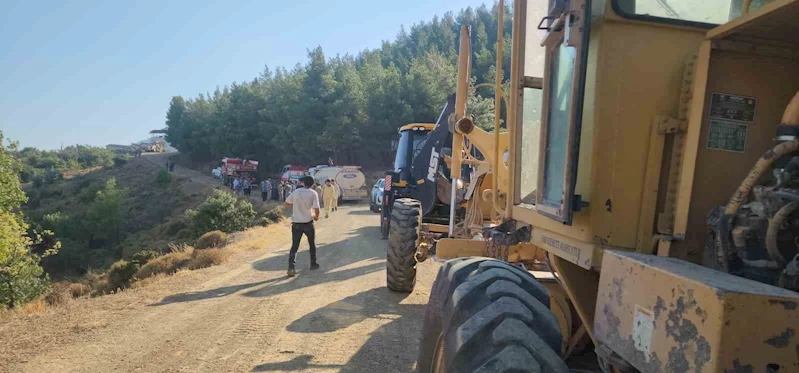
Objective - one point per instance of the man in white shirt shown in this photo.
(304, 204)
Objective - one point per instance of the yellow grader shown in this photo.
(647, 173)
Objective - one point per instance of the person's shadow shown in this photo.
(380, 352)
(343, 253)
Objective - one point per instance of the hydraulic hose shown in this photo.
(742, 192)
(774, 228)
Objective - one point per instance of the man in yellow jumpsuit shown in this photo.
(338, 194)
(329, 194)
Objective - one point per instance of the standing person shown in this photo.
(280, 191)
(246, 186)
(265, 190)
(318, 189)
(236, 184)
(304, 204)
(338, 194)
(329, 194)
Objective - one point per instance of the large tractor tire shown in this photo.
(485, 315)
(403, 231)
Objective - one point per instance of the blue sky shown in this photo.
(103, 72)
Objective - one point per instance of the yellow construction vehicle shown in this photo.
(648, 175)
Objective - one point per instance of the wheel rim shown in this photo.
(438, 356)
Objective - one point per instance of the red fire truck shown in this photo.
(293, 173)
(233, 167)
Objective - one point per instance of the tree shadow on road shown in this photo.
(385, 350)
(302, 362)
(363, 212)
(342, 260)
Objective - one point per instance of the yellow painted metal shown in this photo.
(710, 177)
(560, 306)
(668, 315)
(437, 228)
(691, 145)
(424, 126)
(495, 163)
(485, 143)
(581, 286)
(461, 97)
(513, 116)
(618, 163)
(745, 8)
(451, 248)
(773, 23)
(637, 105)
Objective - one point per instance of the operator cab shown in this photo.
(411, 141)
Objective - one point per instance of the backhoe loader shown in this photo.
(649, 167)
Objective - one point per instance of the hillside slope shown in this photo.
(152, 214)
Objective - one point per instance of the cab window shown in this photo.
(704, 13)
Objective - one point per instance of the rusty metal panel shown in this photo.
(668, 315)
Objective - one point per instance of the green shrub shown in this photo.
(263, 221)
(51, 176)
(175, 226)
(34, 198)
(273, 215)
(121, 274)
(163, 179)
(22, 279)
(210, 240)
(120, 161)
(185, 234)
(88, 193)
(38, 181)
(82, 182)
(142, 257)
(222, 212)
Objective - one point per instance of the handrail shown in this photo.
(498, 108)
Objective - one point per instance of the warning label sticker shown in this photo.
(732, 107)
(643, 326)
(726, 135)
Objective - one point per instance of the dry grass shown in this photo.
(37, 306)
(166, 264)
(208, 257)
(78, 290)
(142, 283)
(211, 240)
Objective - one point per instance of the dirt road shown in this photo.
(245, 316)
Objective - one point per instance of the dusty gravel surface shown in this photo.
(243, 316)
